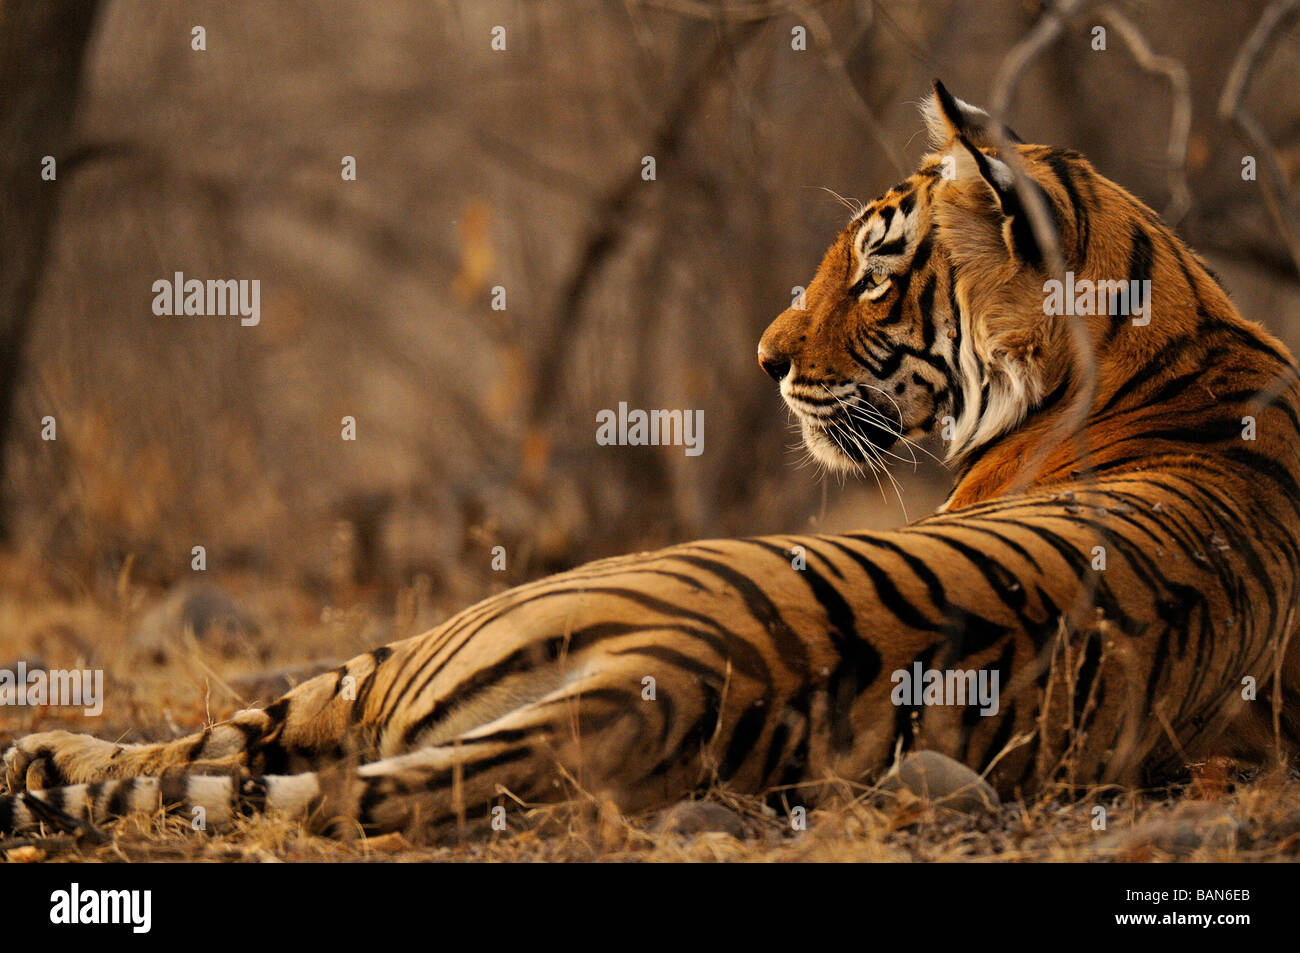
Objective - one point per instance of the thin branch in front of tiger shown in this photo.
(1078, 714)
(1016, 741)
(1159, 710)
(1279, 658)
(710, 763)
(1045, 32)
(1054, 664)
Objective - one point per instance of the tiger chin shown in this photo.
(1121, 550)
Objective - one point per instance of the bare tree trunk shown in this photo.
(42, 49)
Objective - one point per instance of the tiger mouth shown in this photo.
(852, 432)
(874, 434)
(857, 441)
(841, 425)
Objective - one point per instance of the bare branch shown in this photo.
(1253, 52)
(834, 63)
(1180, 124)
(730, 12)
(823, 39)
(614, 217)
(533, 169)
(42, 52)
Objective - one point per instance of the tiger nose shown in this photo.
(776, 366)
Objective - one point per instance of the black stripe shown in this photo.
(1060, 166)
(1007, 713)
(695, 737)
(921, 257)
(173, 791)
(925, 305)
(775, 748)
(744, 738)
(859, 664)
(886, 591)
(790, 648)
(55, 797)
(1175, 350)
(1141, 259)
(120, 800)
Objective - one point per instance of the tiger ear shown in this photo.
(971, 164)
(947, 117)
(962, 132)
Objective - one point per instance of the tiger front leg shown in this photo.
(57, 758)
(314, 724)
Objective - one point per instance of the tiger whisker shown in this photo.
(864, 412)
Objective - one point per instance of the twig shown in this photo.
(1043, 226)
(823, 39)
(1231, 109)
(731, 11)
(51, 845)
(1279, 657)
(834, 63)
(532, 168)
(1180, 123)
(612, 224)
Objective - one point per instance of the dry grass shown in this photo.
(158, 695)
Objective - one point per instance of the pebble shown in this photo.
(944, 782)
(698, 817)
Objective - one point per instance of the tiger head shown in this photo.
(926, 315)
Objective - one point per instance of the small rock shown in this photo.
(209, 613)
(698, 817)
(943, 782)
(1188, 828)
(266, 686)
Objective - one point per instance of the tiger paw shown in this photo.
(53, 758)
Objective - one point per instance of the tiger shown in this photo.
(1120, 549)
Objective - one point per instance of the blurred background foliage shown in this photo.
(522, 169)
